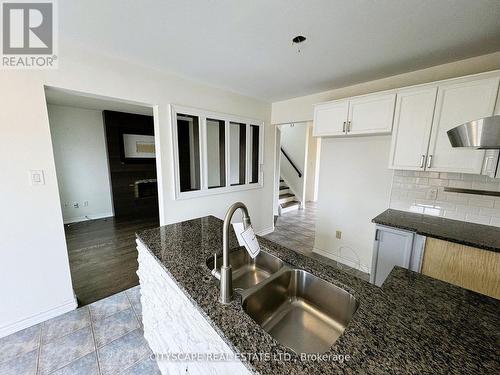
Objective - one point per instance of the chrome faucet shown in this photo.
(225, 275)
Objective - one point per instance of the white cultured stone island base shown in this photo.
(174, 327)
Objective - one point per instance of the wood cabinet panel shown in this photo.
(465, 266)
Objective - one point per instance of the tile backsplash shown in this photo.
(423, 192)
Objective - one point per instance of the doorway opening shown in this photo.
(105, 158)
(295, 191)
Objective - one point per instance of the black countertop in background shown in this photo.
(482, 236)
(412, 325)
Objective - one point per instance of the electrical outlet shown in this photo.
(338, 234)
(85, 203)
(76, 205)
(432, 194)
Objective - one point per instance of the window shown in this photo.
(215, 153)
(238, 153)
(188, 135)
(254, 153)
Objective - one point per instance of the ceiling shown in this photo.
(245, 46)
(87, 101)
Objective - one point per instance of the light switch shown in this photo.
(36, 177)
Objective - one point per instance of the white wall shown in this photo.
(81, 162)
(354, 181)
(294, 142)
(354, 187)
(312, 165)
(35, 280)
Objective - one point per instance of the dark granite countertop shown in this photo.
(412, 325)
(485, 237)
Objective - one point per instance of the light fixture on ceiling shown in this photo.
(297, 41)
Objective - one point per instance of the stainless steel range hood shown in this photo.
(481, 134)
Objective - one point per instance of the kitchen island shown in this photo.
(412, 325)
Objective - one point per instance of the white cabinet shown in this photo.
(330, 118)
(395, 247)
(458, 102)
(412, 128)
(371, 114)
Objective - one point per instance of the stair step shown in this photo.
(289, 206)
(283, 187)
(287, 197)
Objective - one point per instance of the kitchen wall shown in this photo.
(294, 142)
(35, 281)
(413, 191)
(81, 162)
(312, 169)
(354, 188)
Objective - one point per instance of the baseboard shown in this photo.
(84, 218)
(38, 318)
(342, 260)
(265, 231)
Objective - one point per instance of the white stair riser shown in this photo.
(288, 209)
(285, 191)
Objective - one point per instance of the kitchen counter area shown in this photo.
(413, 324)
(477, 235)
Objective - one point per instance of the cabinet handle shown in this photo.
(348, 126)
(343, 128)
(429, 160)
(422, 161)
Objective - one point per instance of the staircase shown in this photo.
(287, 200)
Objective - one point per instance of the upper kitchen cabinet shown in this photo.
(412, 128)
(459, 101)
(371, 114)
(364, 115)
(330, 118)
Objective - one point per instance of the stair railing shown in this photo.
(291, 162)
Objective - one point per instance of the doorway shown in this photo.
(104, 151)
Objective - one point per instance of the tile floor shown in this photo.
(103, 338)
(296, 230)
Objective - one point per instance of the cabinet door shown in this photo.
(412, 128)
(330, 118)
(392, 247)
(372, 114)
(457, 103)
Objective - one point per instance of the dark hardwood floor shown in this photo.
(103, 256)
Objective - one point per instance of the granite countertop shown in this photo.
(485, 237)
(412, 325)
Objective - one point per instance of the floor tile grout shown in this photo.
(95, 344)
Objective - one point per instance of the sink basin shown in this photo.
(301, 311)
(248, 272)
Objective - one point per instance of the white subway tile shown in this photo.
(454, 215)
(422, 181)
(438, 182)
(489, 211)
(495, 221)
(460, 184)
(478, 219)
(482, 202)
(450, 176)
(467, 209)
(448, 206)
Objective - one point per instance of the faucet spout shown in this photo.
(226, 275)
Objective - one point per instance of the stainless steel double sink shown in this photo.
(301, 311)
